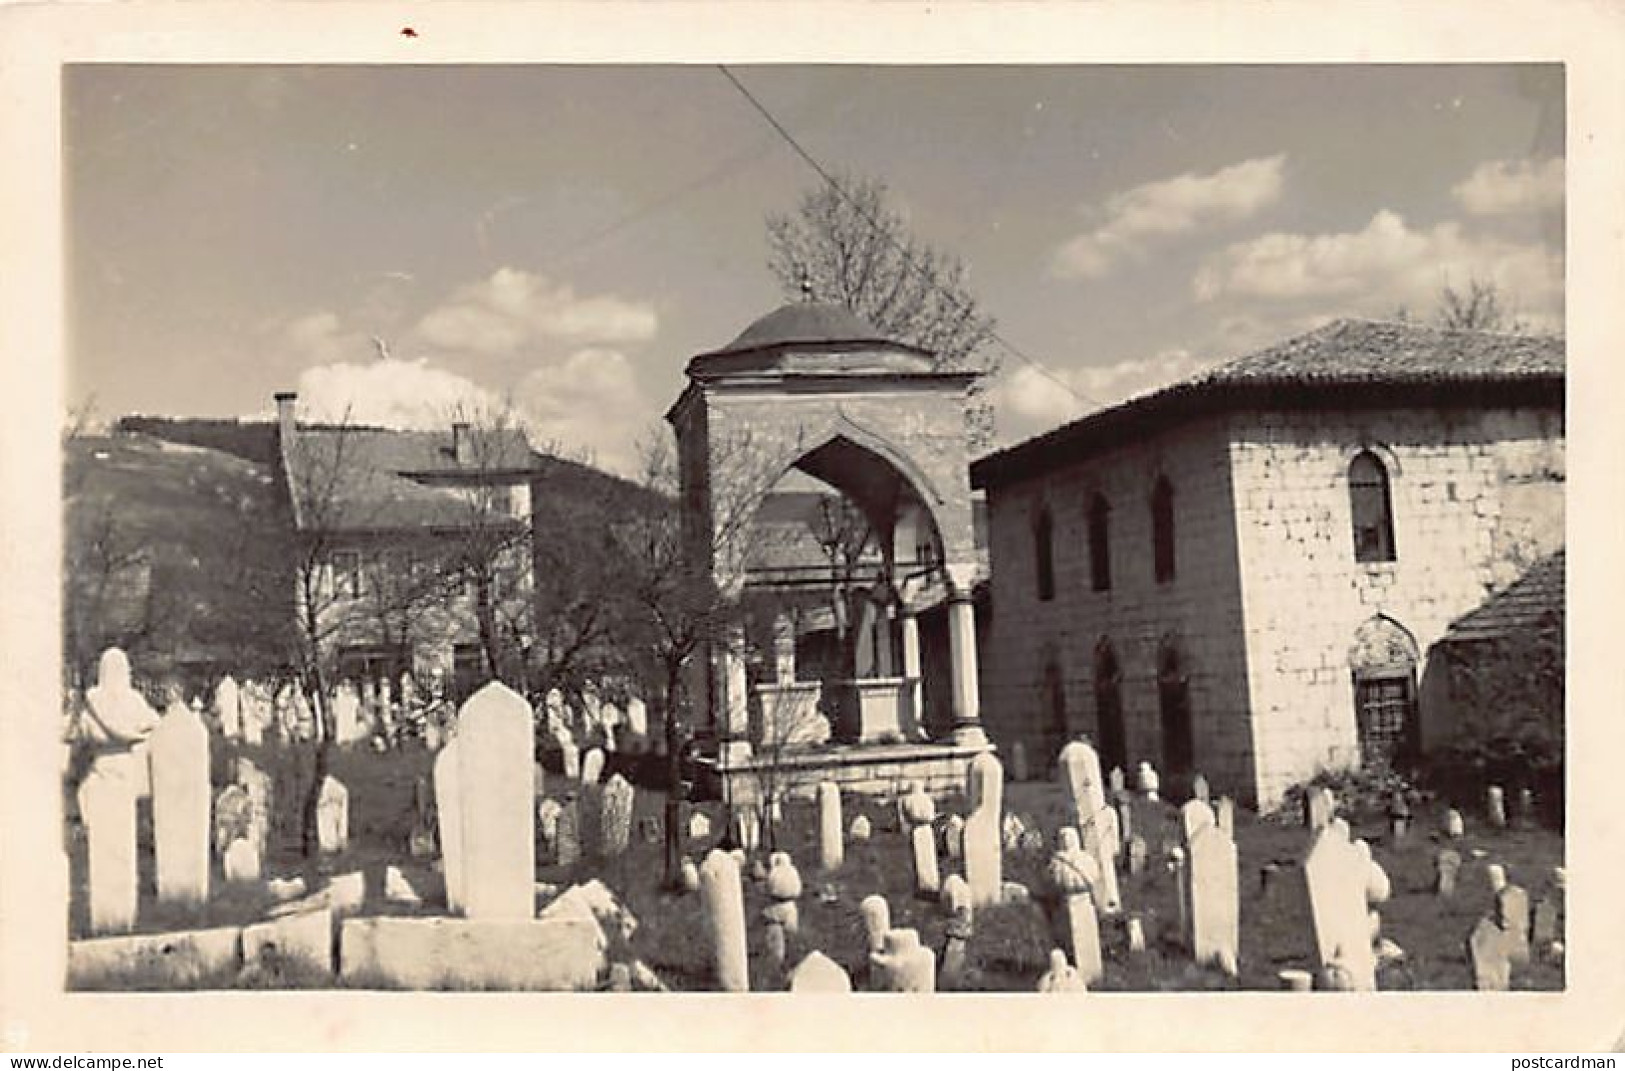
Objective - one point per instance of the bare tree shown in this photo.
(1479, 307)
(673, 609)
(847, 244)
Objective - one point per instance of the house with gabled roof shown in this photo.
(417, 532)
(1242, 574)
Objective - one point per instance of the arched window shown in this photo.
(1100, 551)
(1174, 705)
(1055, 727)
(1109, 708)
(1370, 509)
(1044, 553)
(1162, 529)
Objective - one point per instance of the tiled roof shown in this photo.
(1533, 600)
(1345, 364)
(356, 479)
(1363, 351)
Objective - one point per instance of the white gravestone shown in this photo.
(259, 786)
(333, 817)
(831, 846)
(228, 708)
(817, 973)
(615, 819)
(903, 965)
(107, 806)
(448, 801)
(181, 801)
(494, 752)
(723, 896)
(241, 863)
(1337, 879)
(347, 726)
(984, 864)
(923, 845)
(592, 766)
(1215, 900)
(876, 915)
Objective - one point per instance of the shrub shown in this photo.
(1363, 793)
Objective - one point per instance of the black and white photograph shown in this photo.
(958, 523)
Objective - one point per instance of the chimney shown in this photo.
(286, 427)
(462, 450)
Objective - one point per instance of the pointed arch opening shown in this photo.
(1371, 508)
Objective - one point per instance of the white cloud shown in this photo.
(1029, 401)
(1137, 217)
(515, 311)
(1384, 267)
(1512, 187)
(588, 403)
(321, 337)
(394, 393)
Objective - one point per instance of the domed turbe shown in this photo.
(811, 337)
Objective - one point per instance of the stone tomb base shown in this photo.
(865, 769)
(447, 953)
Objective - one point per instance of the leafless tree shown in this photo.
(846, 243)
(1478, 307)
(673, 610)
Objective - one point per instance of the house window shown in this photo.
(1109, 708)
(1385, 711)
(1371, 509)
(1100, 553)
(1162, 529)
(1044, 551)
(347, 574)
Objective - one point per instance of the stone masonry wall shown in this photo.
(1200, 608)
(1476, 496)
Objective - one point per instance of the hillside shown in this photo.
(173, 552)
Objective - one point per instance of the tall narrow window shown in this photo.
(1174, 703)
(1370, 509)
(1109, 709)
(1056, 731)
(1100, 550)
(1162, 529)
(1044, 553)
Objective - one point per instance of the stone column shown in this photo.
(967, 726)
(731, 701)
(909, 624)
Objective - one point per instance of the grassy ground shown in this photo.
(1011, 943)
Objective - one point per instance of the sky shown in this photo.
(394, 241)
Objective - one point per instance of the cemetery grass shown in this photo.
(1010, 947)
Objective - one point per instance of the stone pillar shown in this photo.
(731, 702)
(909, 625)
(784, 649)
(967, 726)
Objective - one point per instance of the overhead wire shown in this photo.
(863, 213)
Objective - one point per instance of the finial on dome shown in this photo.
(806, 284)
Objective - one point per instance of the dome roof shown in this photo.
(806, 323)
(808, 337)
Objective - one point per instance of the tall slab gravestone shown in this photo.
(1214, 899)
(181, 799)
(448, 800)
(107, 807)
(495, 746)
(984, 864)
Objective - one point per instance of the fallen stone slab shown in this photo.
(156, 961)
(298, 941)
(599, 902)
(546, 955)
(343, 895)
